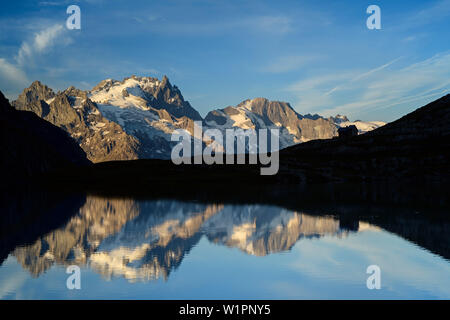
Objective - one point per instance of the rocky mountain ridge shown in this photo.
(260, 113)
(135, 118)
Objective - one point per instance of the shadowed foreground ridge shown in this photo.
(31, 145)
(414, 146)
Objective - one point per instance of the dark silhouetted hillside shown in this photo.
(414, 146)
(30, 145)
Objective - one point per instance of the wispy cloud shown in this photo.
(271, 24)
(431, 14)
(355, 93)
(11, 76)
(289, 63)
(52, 3)
(40, 43)
(145, 19)
(13, 73)
(262, 24)
(311, 92)
(362, 76)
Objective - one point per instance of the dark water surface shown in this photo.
(134, 248)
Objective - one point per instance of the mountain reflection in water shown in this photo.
(146, 240)
(271, 245)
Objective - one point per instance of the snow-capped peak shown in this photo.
(362, 126)
(131, 92)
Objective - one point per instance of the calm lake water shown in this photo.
(168, 249)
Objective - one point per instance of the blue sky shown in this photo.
(317, 55)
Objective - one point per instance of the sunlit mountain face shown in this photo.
(146, 240)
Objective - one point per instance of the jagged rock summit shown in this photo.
(146, 93)
(135, 118)
(74, 112)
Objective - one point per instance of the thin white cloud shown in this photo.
(437, 11)
(368, 73)
(311, 91)
(363, 75)
(41, 42)
(356, 94)
(51, 3)
(263, 24)
(270, 24)
(11, 78)
(289, 63)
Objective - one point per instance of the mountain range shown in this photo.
(413, 149)
(134, 118)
